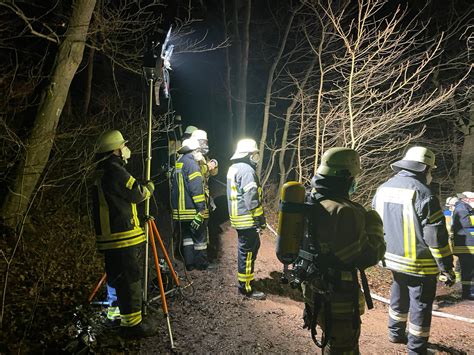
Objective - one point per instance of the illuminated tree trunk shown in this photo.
(244, 60)
(465, 178)
(41, 138)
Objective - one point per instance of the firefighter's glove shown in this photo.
(150, 186)
(261, 222)
(448, 277)
(197, 222)
(307, 317)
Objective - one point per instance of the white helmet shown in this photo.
(416, 159)
(244, 147)
(189, 145)
(199, 134)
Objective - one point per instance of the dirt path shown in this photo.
(216, 319)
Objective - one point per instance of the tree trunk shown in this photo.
(228, 79)
(244, 60)
(40, 141)
(268, 93)
(88, 86)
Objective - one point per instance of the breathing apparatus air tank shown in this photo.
(290, 222)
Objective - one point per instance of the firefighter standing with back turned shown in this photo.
(119, 234)
(346, 238)
(244, 198)
(417, 247)
(463, 232)
(189, 207)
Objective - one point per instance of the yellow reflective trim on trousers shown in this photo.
(399, 317)
(117, 244)
(463, 249)
(436, 216)
(416, 330)
(248, 271)
(194, 175)
(129, 320)
(244, 277)
(441, 252)
(131, 180)
(113, 313)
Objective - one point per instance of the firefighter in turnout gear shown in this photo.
(115, 196)
(209, 167)
(189, 207)
(344, 238)
(417, 247)
(463, 231)
(244, 197)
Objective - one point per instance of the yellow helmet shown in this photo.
(339, 161)
(110, 141)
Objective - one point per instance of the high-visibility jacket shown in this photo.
(414, 226)
(463, 228)
(187, 190)
(115, 194)
(244, 196)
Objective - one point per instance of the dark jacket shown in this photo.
(115, 194)
(187, 190)
(463, 228)
(414, 226)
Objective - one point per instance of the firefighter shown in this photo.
(188, 132)
(209, 167)
(189, 207)
(417, 247)
(244, 197)
(448, 214)
(347, 238)
(118, 230)
(463, 231)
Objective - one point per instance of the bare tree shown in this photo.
(41, 138)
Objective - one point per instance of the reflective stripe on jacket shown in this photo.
(115, 195)
(463, 228)
(244, 196)
(187, 190)
(414, 226)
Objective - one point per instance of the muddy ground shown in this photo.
(210, 317)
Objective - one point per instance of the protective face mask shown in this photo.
(429, 177)
(203, 146)
(126, 153)
(255, 158)
(198, 155)
(353, 187)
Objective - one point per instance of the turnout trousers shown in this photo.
(194, 245)
(124, 275)
(411, 301)
(465, 274)
(248, 245)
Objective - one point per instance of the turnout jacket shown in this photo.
(244, 196)
(463, 228)
(353, 239)
(115, 194)
(414, 226)
(187, 190)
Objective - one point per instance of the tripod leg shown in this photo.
(163, 249)
(97, 287)
(164, 305)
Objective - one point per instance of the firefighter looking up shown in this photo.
(347, 238)
(463, 231)
(417, 247)
(189, 207)
(119, 234)
(244, 197)
(209, 167)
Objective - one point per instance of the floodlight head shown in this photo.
(151, 61)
